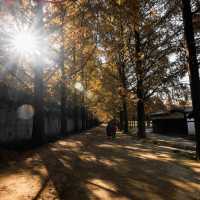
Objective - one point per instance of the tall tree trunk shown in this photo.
(38, 134)
(125, 115)
(75, 98)
(121, 71)
(86, 119)
(140, 103)
(83, 118)
(83, 95)
(121, 120)
(63, 96)
(122, 74)
(141, 119)
(63, 129)
(194, 71)
(76, 115)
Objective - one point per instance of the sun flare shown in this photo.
(25, 43)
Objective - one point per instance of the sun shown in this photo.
(25, 43)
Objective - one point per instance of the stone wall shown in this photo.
(12, 128)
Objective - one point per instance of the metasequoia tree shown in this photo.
(194, 69)
(53, 29)
(38, 120)
(77, 48)
(110, 40)
(15, 10)
(139, 37)
(153, 38)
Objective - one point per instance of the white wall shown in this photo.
(13, 128)
(191, 128)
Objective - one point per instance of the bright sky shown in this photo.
(172, 57)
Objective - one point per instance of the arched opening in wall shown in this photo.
(25, 112)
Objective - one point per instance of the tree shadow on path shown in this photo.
(91, 167)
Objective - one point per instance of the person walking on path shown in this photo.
(111, 128)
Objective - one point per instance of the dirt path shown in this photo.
(89, 166)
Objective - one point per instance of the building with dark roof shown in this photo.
(175, 121)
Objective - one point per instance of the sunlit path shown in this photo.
(90, 166)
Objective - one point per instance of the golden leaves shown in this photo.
(120, 2)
